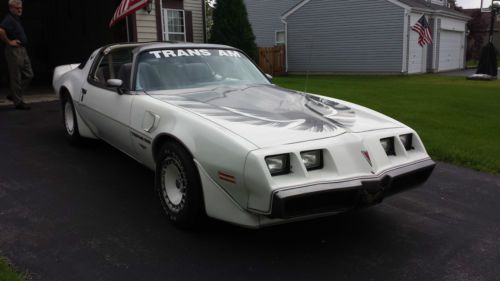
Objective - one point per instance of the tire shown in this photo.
(179, 186)
(70, 122)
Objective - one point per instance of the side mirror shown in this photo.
(116, 83)
(269, 76)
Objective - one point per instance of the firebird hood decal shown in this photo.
(266, 106)
(269, 115)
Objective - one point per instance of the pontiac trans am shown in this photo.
(225, 142)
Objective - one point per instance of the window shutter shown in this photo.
(189, 25)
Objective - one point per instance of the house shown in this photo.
(174, 20)
(360, 36)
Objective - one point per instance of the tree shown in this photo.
(231, 27)
(478, 29)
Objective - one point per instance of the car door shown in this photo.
(107, 110)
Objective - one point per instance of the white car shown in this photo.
(225, 142)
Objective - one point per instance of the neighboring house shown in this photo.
(175, 20)
(360, 36)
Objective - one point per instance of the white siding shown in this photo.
(146, 25)
(196, 7)
(438, 2)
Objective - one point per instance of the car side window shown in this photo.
(115, 64)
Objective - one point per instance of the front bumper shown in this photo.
(347, 195)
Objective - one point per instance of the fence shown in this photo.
(272, 60)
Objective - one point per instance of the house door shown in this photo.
(417, 55)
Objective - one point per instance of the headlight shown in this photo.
(407, 141)
(313, 159)
(388, 145)
(278, 164)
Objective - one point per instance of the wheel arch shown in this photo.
(164, 138)
(64, 94)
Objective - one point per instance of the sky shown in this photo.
(467, 4)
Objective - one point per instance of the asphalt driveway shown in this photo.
(91, 213)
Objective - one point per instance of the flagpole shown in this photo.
(128, 34)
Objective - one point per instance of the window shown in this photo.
(174, 25)
(110, 66)
(280, 37)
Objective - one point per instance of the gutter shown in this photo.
(284, 21)
(440, 13)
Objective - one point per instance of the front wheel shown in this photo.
(179, 187)
(70, 121)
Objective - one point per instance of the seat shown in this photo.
(148, 78)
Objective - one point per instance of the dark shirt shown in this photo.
(15, 31)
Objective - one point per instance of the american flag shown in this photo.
(424, 31)
(126, 8)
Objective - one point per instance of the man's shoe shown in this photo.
(22, 106)
(10, 98)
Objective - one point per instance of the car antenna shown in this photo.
(307, 67)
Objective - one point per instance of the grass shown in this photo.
(458, 119)
(7, 273)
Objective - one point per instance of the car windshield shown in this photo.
(169, 69)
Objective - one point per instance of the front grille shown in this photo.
(330, 201)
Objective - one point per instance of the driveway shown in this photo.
(463, 73)
(90, 213)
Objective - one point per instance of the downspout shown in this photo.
(283, 20)
(162, 21)
(204, 15)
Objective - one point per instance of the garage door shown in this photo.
(451, 50)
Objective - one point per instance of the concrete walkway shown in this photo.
(33, 95)
(464, 73)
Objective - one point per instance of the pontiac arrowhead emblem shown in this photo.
(367, 157)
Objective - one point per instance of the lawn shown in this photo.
(7, 273)
(458, 119)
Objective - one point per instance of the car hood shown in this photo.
(268, 115)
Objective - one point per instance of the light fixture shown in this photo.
(278, 164)
(388, 145)
(149, 6)
(407, 141)
(312, 159)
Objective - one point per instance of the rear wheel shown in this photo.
(179, 187)
(70, 121)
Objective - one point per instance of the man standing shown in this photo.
(13, 35)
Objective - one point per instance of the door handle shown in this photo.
(84, 91)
